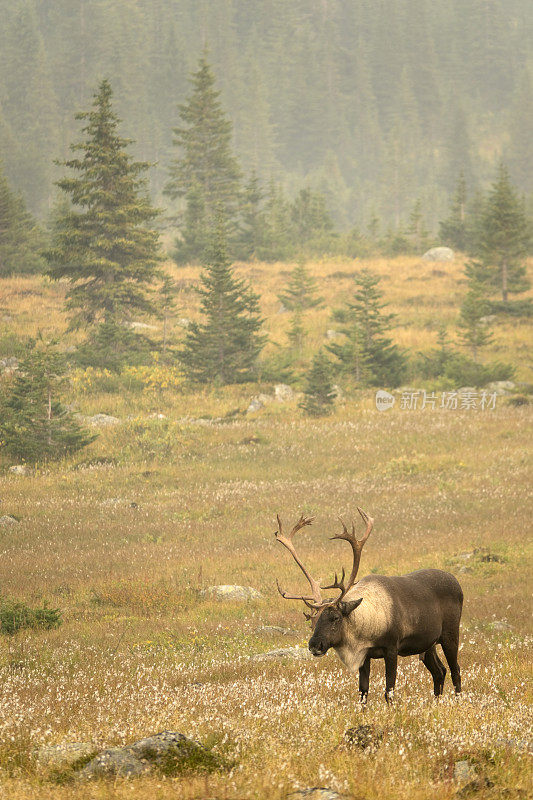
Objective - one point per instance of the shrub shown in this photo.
(16, 616)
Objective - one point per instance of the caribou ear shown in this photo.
(347, 608)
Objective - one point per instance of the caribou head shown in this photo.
(327, 617)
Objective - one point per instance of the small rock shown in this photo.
(500, 387)
(141, 326)
(9, 364)
(102, 420)
(8, 520)
(283, 393)
(19, 469)
(277, 630)
(493, 558)
(500, 625)
(316, 793)
(183, 322)
(331, 334)
(488, 319)
(465, 556)
(474, 786)
(156, 416)
(293, 653)
(364, 736)
(63, 755)
(231, 592)
(463, 771)
(258, 402)
(465, 570)
(282, 309)
(438, 254)
(516, 744)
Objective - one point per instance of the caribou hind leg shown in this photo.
(450, 646)
(431, 660)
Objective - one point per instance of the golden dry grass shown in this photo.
(122, 536)
(423, 296)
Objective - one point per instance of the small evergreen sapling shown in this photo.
(367, 354)
(319, 395)
(224, 347)
(474, 330)
(34, 424)
(300, 293)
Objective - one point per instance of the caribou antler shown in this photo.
(315, 601)
(357, 547)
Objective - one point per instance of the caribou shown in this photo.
(381, 616)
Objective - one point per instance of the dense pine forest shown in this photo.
(376, 104)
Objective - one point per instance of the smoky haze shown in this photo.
(375, 103)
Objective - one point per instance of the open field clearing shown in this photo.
(424, 296)
(124, 536)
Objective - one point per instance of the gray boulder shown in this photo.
(500, 626)
(102, 420)
(438, 254)
(463, 771)
(316, 793)
(169, 751)
(19, 469)
(231, 592)
(283, 393)
(8, 520)
(9, 364)
(500, 387)
(331, 334)
(257, 402)
(63, 755)
(141, 326)
(283, 653)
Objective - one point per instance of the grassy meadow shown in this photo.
(123, 536)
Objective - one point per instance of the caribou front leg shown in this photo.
(364, 680)
(391, 665)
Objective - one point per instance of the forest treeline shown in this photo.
(375, 105)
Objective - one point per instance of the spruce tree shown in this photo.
(34, 424)
(319, 395)
(301, 292)
(297, 331)
(224, 347)
(168, 292)
(474, 331)
(20, 237)
(502, 240)
(104, 245)
(311, 220)
(454, 230)
(367, 353)
(253, 227)
(206, 172)
(417, 230)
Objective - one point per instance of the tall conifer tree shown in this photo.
(502, 240)
(206, 173)
(20, 238)
(103, 244)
